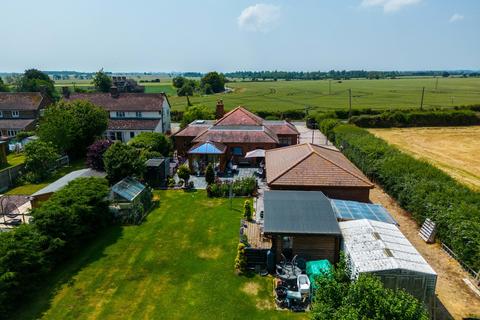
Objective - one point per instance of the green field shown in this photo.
(177, 265)
(330, 95)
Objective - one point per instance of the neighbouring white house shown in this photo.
(130, 113)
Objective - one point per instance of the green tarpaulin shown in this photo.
(316, 268)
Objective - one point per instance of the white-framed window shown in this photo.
(15, 114)
(1, 114)
(12, 132)
(284, 141)
(120, 114)
(138, 114)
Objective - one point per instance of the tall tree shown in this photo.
(213, 81)
(3, 86)
(95, 154)
(102, 81)
(122, 160)
(73, 126)
(34, 80)
(198, 112)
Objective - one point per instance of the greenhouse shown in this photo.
(381, 249)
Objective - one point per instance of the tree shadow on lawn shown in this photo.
(39, 300)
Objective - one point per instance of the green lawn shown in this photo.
(177, 265)
(28, 189)
(380, 94)
(15, 159)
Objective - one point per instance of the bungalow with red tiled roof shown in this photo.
(312, 167)
(236, 133)
(129, 113)
(19, 111)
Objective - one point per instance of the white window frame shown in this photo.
(15, 113)
(1, 114)
(138, 114)
(120, 114)
(12, 132)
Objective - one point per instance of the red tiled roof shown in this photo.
(281, 127)
(15, 123)
(312, 165)
(239, 116)
(192, 130)
(124, 102)
(260, 134)
(20, 100)
(132, 124)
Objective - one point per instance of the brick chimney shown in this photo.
(220, 109)
(66, 92)
(114, 92)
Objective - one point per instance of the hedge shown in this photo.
(240, 188)
(417, 118)
(419, 187)
(59, 227)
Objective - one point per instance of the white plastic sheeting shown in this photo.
(378, 246)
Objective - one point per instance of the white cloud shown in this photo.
(260, 17)
(389, 5)
(456, 17)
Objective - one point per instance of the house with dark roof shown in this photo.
(233, 135)
(301, 223)
(129, 113)
(19, 111)
(313, 167)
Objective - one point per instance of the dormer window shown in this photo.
(15, 114)
(138, 114)
(120, 114)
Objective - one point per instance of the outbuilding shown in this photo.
(380, 248)
(301, 223)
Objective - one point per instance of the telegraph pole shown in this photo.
(421, 101)
(350, 103)
(436, 84)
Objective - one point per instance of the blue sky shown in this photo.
(187, 35)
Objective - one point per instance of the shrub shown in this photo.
(209, 174)
(122, 160)
(240, 259)
(95, 154)
(183, 173)
(153, 142)
(171, 182)
(240, 188)
(40, 160)
(338, 298)
(247, 210)
(420, 188)
(326, 126)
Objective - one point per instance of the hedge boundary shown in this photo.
(419, 187)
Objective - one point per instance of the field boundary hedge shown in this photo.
(419, 187)
(430, 118)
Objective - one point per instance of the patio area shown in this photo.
(200, 183)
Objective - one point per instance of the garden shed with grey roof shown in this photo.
(301, 223)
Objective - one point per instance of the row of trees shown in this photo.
(337, 74)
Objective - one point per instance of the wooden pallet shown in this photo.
(428, 231)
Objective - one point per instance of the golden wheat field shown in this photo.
(455, 150)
